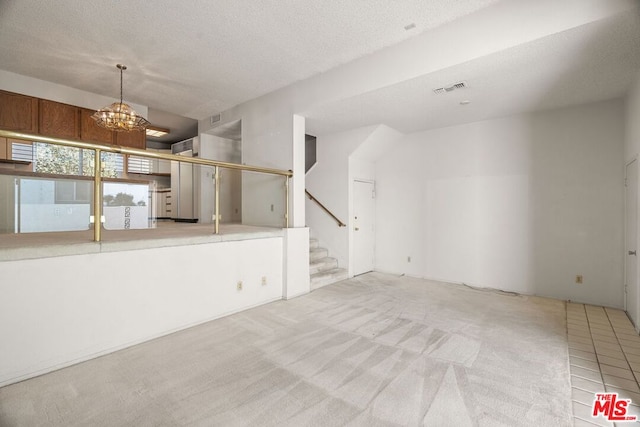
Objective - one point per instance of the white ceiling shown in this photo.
(199, 57)
(588, 63)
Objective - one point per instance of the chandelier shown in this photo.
(119, 116)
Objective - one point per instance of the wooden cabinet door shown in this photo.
(133, 139)
(18, 112)
(4, 153)
(90, 131)
(59, 120)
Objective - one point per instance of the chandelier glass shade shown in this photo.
(119, 116)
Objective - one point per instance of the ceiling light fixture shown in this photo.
(156, 131)
(119, 116)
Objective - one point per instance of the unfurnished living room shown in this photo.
(296, 213)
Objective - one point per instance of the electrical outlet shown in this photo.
(239, 285)
(408, 259)
(271, 208)
(579, 278)
(264, 280)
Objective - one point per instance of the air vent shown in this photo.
(215, 118)
(182, 146)
(450, 88)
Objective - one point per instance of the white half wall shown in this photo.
(296, 262)
(522, 203)
(59, 311)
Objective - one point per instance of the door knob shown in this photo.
(356, 228)
(632, 252)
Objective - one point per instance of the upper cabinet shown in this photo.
(18, 112)
(59, 120)
(134, 139)
(91, 132)
(55, 119)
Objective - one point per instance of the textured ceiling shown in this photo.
(589, 63)
(198, 57)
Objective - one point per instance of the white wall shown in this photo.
(631, 152)
(226, 150)
(268, 138)
(341, 158)
(328, 181)
(522, 203)
(268, 130)
(61, 310)
(296, 262)
(632, 122)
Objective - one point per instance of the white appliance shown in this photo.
(184, 183)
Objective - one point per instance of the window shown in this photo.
(57, 159)
(22, 151)
(139, 165)
(69, 192)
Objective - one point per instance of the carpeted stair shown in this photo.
(323, 269)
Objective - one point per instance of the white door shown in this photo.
(364, 216)
(632, 302)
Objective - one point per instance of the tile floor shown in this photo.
(604, 354)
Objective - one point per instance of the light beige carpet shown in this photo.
(376, 350)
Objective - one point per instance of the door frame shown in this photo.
(350, 221)
(626, 246)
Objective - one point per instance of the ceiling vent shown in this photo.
(215, 118)
(450, 88)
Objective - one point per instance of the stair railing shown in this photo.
(324, 208)
(104, 148)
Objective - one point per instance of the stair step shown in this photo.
(328, 277)
(317, 253)
(313, 243)
(323, 264)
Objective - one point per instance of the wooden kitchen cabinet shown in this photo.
(91, 132)
(18, 112)
(54, 119)
(133, 139)
(59, 120)
(4, 153)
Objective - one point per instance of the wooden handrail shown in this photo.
(340, 223)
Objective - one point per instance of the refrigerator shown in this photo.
(183, 184)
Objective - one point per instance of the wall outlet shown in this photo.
(271, 208)
(408, 259)
(239, 285)
(579, 278)
(264, 280)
